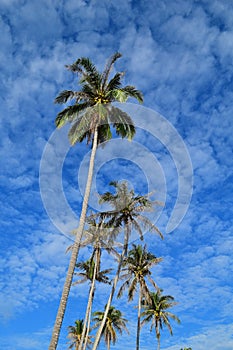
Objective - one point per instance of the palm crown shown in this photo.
(88, 268)
(75, 333)
(92, 107)
(128, 209)
(114, 322)
(136, 267)
(156, 312)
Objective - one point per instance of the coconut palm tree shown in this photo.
(90, 116)
(75, 333)
(128, 209)
(136, 268)
(114, 323)
(155, 311)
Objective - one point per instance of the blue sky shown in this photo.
(180, 55)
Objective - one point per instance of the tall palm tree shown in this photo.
(136, 268)
(75, 333)
(114, 322)
(128, 209)
(90, 116)
(155, 311)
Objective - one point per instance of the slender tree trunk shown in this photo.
(75, 251)
(85, 332)
(98, 259)
(139, 317)
(86, 327)
(157, 335)
(99, 332)
(88, 309)
(158, 347)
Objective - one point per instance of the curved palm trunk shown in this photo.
(139, 317)
(99, 332)
(75, 251)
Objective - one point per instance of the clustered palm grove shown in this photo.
(93, 117)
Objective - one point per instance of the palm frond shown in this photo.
(130, 91)
(138, 229)
(70, 113)
(174, 317)
(113, 183)
(118, 95)
(148, 317)
(106, 197)
(104, 133)
(149, 226)
(67, 95)
(64, 96)
(88, 90)
(82, 128)
(81, 281)
(114, 83)
(122, 288)
(108, 67)
(88, 71)
(132, 289)
(122, 122)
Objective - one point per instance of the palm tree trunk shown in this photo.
(88, 309)
(99, 332)
(75, 250)
(89, 319)
(87, 316)
(157, 334)
(158, 347)
(88, 329)
(86, 326)
(139, 317)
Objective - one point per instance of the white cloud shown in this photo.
(209, 337)
(35, 274)
(34, 340)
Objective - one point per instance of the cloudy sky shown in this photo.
(179, 54)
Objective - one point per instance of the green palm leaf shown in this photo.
(132, 92)
(114, 83)
(69, 113)
(108, 67)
